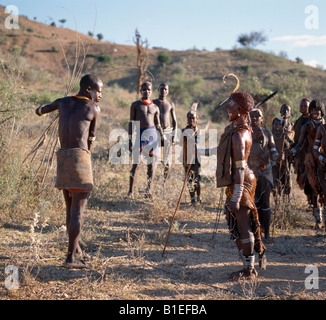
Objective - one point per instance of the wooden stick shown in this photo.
(178, 204)
(277, 189)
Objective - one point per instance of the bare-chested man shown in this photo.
(78, 120)
(190, 150)
(320, 154)
(298, 161)
(308, 132)
(285, 112)
(241, 212)
(262, 151)
(146, 115)
(281, 167)
(169, 125)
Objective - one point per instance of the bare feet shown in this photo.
(248, 274)
(77, 264)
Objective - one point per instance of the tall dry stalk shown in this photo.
(49, 138)
(142, 58)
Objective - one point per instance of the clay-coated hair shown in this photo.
(244, 100)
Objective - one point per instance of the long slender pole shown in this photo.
(178, 204)
(278, 188)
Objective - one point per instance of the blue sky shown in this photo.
(297, 27)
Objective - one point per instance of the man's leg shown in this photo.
(265, 211)
(78, 204)
(197, 185)
(317, 212)
(68, 207)
(151, 171)
(68, 200)
(245, 243)
(132, 179)
(167, 158)
(167, 171)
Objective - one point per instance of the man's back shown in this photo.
(75, 117)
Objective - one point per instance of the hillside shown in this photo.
(43, 49)
(125, 237)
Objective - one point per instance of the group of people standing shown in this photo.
(252, 161)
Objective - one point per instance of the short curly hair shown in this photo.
(244, 100)
(89, 80)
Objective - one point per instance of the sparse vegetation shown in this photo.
(100, 36)
(105, 58)
(125, 237)
(62, 21)
(252, 40)
(164, 58)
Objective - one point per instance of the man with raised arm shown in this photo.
(78, 121)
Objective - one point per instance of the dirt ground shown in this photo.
(125, 239)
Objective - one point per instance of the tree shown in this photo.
(63, 21)
(142, 58)
(100, 36)
(164, 58)
(299, 60)
(252, 40)
(105, 58)
(183, 89)
(91, 34)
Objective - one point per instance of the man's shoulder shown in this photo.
(137, 103)
(89, 104)
(156, 105)
(322, 128)
(307, 125)
(92, 105)
(165, 103)
(267, 131)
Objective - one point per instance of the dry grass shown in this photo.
(124, 237)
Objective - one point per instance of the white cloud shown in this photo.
(302, 41)
(315, 64)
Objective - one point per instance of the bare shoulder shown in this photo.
(95, 107)
(306, 126)
(135, 104)
(321, 130)
(267, 132)
(239, 135)
(156, 106)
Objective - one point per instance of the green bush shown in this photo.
(16, 50)
(184, 89)
(43, 97)
(164, 58)
(105, 58)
